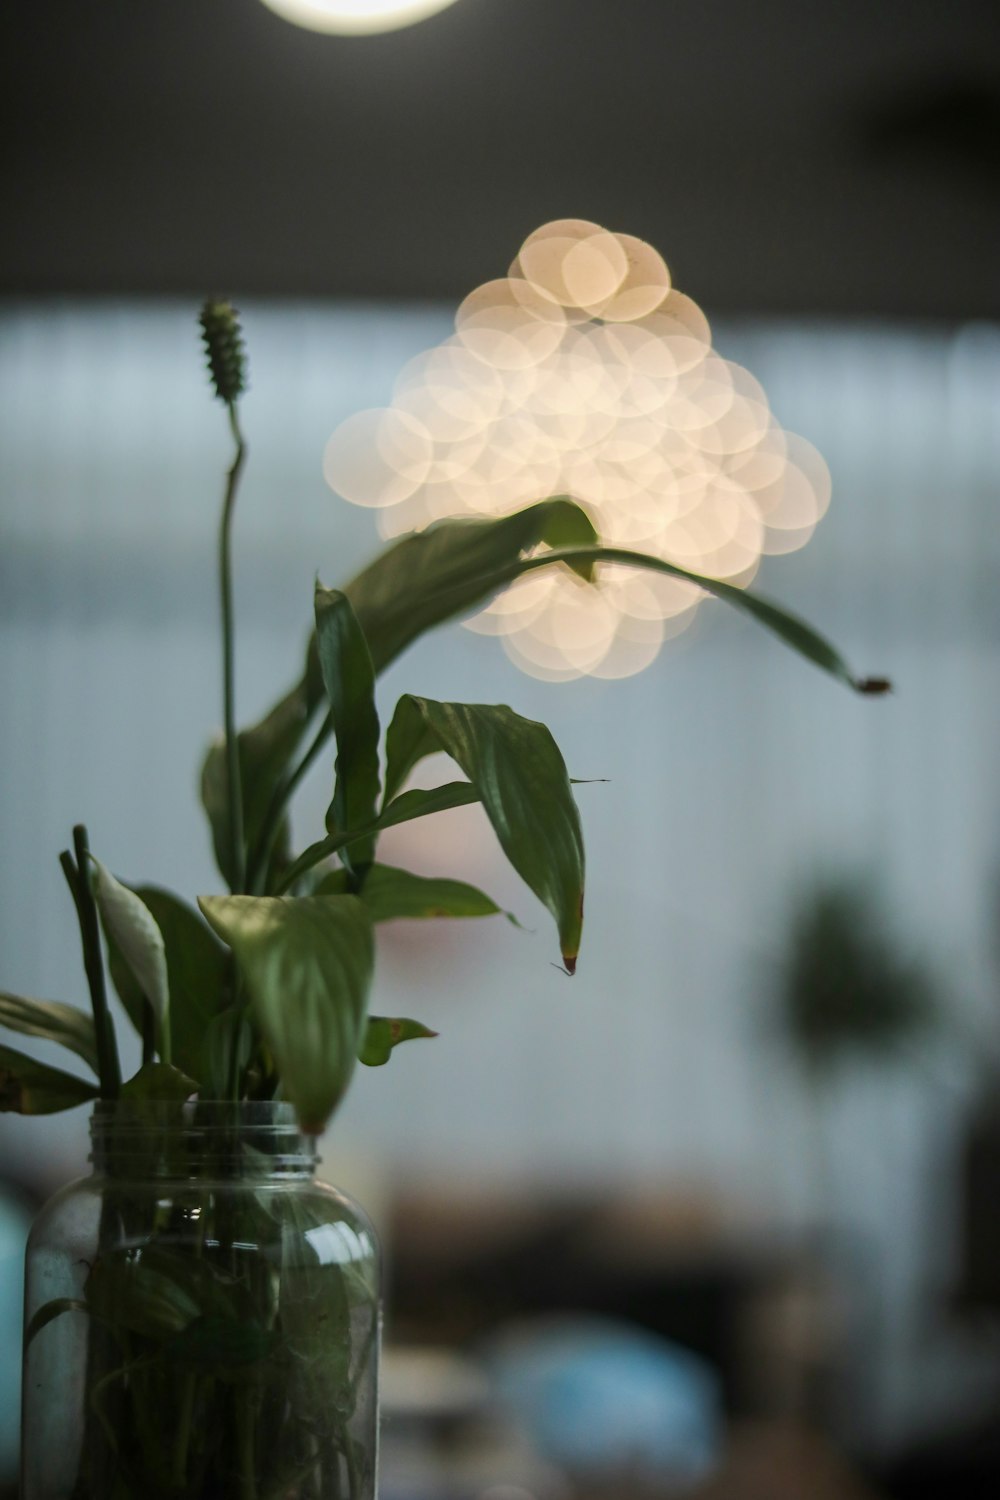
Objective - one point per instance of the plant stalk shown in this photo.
(234, 789)
(78, 880)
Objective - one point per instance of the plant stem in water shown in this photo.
(234, 790)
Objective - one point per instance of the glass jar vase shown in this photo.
(201, 1317)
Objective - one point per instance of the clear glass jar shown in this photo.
(201, 1317)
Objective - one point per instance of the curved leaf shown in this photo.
(265, 751)
(385, 1032)
(427, 577)
(419, 582)
(786, 626)
(52, 1022)
(28, 1087)
(516, 769)
(130, 924)
(307, 963)
(417, 803)
(349, 679)
(389, 892)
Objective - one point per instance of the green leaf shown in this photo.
(28, 1087)
(160, 1082)
(133, 929)
(52, 1022)
(420, 802)
(403, 809)
(516, 769)
(265, 752)
(197, 971)
(389, 892)
(786, 626)
(385, 1032)
(307, 963)
(417, 583)
(427, 578)
(349, 679)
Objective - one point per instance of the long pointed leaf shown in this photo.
(520, 777)
(417, 803)
(349, 679)
(419, 582)
(430, 576)
(52, 1022)
(786, 626)
(307, 963)
(28, 1087)
(389, 893)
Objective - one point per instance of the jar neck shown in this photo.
(253, 1140)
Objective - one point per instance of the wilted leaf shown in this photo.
(28, 1087)
(307, 963)
(52, 1022)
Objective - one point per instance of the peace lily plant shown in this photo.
(261, 994)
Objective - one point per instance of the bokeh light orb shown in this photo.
(584, 372)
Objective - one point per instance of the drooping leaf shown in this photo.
(786, 626)
(52, 1022)
(417, 583)
(520, 777)
(28, 1087)
(385, 1032)
(131, 926)
(159, 1082)
(389, 892)
(349, 679)
(307, 964)
(431, 576)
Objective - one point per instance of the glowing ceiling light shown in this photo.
(585, 372)
(353, 17)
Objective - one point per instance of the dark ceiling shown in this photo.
(785, 156)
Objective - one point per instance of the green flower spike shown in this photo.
(220, 329)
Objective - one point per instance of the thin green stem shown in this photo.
(234, 789)
(78, 880)
(282, 795)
